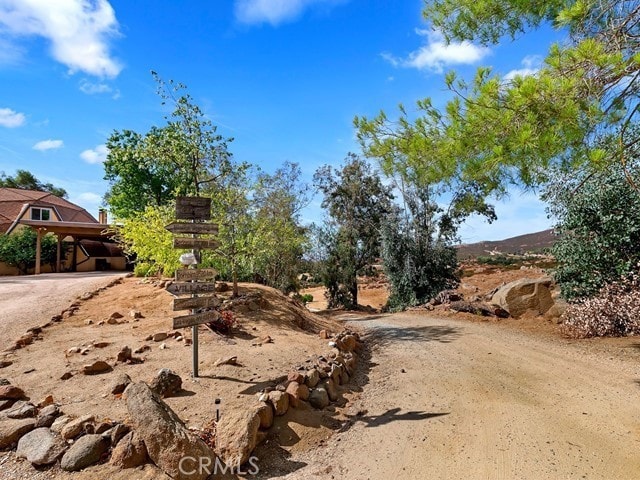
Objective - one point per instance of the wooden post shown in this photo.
(59, 254)
(38, 249)
(74, 258)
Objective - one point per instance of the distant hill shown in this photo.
(529, 243)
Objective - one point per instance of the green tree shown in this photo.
(19, 249)
(26, 180)
(184, 157)
(281, 239)
(357, 201)
(500, 132)
(598, 225)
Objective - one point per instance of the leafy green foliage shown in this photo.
(357, 201)
(185, 157)
(145, 240)
(598, 227)
(25, 180)
(19, 249)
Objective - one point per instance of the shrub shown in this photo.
(613, 312)
(224, 323)
(306, 298)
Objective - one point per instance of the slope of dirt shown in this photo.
(528, 243)
(38, 367)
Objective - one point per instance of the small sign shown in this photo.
(201, 243)
(198, 228)
(196, 274)
(195, 302)
(193, 208)
(195, 319)
(183, 288)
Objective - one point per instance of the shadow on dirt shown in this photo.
(391, 415)
(383, 335)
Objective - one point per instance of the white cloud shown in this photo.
(530, 66)
(436, 53)
(79, 31)
(11, 119)
(48, 145)
(91, 88)
(95, 155)
(274, 12)
(89, 197)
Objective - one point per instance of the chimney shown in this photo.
(102, 216)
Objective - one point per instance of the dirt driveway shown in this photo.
(29, 301)
(448, 399)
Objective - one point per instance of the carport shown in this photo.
(77, 230)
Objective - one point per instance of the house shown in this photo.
(90, 245)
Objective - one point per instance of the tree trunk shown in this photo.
(234, 275)
(353, 290)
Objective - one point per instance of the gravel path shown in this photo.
(29, 301)
(447, 399)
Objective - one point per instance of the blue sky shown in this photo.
(283, 77)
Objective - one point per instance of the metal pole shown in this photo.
(194, 328)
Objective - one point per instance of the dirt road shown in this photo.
(29, 301)
(448, 399)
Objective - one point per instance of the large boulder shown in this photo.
(41, 446)
(86, 451)
(526, 294)
(237, 436)
(167, 439)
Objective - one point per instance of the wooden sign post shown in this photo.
(194, 281)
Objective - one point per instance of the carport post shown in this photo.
(59, 254)
(38, 249)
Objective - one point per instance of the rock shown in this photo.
(5, 363)
(112, 321)
(117, 432)
(525, 294)
(124, 354)
(116, 316)
(233, 360)
(295, 377)
(280, 402)
(11, 392)
(4, 404)
(332, 390)
(48, 400)
(236, 436)
(96, 368)
(165, 436)
(59, 423)
(86, 451)
(344, 378)
(158, 337)
(47, 416)
(324, 334)
(476, 308)
(103, 427)
(86, 295)
(136, 314)
(167, 383)
(336, 374)
(88, 321)
(312, 378)
(12, 430)
(75, 427)
(120, 383)
(4, 381)
(66, 376)
(142, 349)
(41, 447)
(130, 452)
(163, 346)
(21, 409)
(297, 392)
(348, 343)
(318, 398)
(265, 412)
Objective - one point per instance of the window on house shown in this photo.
(43, 214)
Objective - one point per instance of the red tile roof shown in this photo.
(12, 200)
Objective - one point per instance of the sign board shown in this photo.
(195, 274)
(198, 228)
(195, 319)
(195, 302)
(183, 288)
(193, 208)
(202, 243)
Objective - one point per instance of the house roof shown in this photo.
(13, 201)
